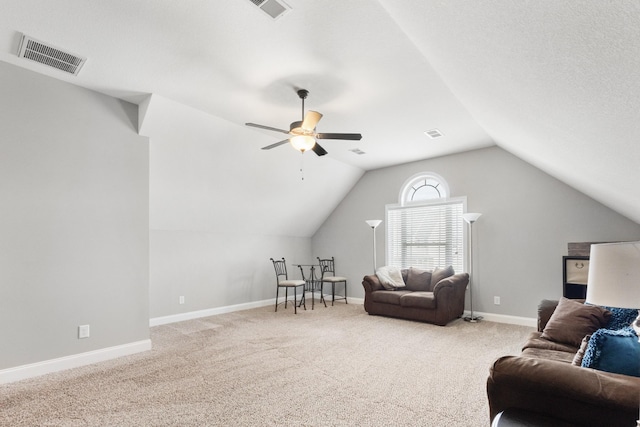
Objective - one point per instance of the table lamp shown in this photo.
(614, 278)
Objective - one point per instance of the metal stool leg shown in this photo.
(345, 292)
(333, 293)
(322, 293)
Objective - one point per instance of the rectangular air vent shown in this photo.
(357, 151)
(433, 133)
(274, 8)
(50, 56)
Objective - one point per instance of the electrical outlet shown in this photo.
(83, 331)
(496, 300)
(181, 299)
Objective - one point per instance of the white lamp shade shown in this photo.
(373, 223)
(310, 121)
(614, 275)
(471, 217)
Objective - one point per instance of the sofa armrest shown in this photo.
(582, 396)
(458, 283)
(545, 310)
(449, 294)
(371, 283)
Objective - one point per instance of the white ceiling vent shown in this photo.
(273, 8)
(51, 56)
(433, 133)
(357, 151)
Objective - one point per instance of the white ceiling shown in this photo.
(554, 82)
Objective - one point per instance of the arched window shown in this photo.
(425, 229)
(424, 186)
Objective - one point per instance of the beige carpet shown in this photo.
(334, 366)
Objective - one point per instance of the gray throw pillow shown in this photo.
(418, 280)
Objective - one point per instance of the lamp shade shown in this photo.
(373, 223)
(614, 275)
(471, 217)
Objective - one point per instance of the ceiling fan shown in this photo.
(303, 134)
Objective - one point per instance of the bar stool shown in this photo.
(328, 275)
(283, 281)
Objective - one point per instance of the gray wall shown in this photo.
(214, 269)
(74, 202)
(220, 208)
(528, 219)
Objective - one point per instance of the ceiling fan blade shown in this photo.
(348, 136)
(319, 150)
(266, 127)
(310, 121)
(276, 144)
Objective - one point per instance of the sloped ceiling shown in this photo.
(204, 177)
(553, 82)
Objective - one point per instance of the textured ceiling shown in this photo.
(553, 82)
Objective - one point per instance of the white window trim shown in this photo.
(407, 185)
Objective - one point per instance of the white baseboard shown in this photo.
(157, 321)
(74, 361)
(180, 317)
(504, 318)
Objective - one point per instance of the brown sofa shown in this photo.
(429, 296)
(543, 380)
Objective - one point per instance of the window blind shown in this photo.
(426, 235)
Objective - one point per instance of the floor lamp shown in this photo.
(373, 223)
(614, 278)
(470, 218)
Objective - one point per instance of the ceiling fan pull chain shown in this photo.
(302, 165)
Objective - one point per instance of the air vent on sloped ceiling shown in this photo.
(51, 56)
(433, 133)
(273, 8)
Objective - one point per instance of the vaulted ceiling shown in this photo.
(553, 82)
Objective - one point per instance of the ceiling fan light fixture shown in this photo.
(303, 133)
(302, 143)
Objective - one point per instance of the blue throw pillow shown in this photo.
(617, 352)
(621, 317)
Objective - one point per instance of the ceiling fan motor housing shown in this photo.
(296, 128)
